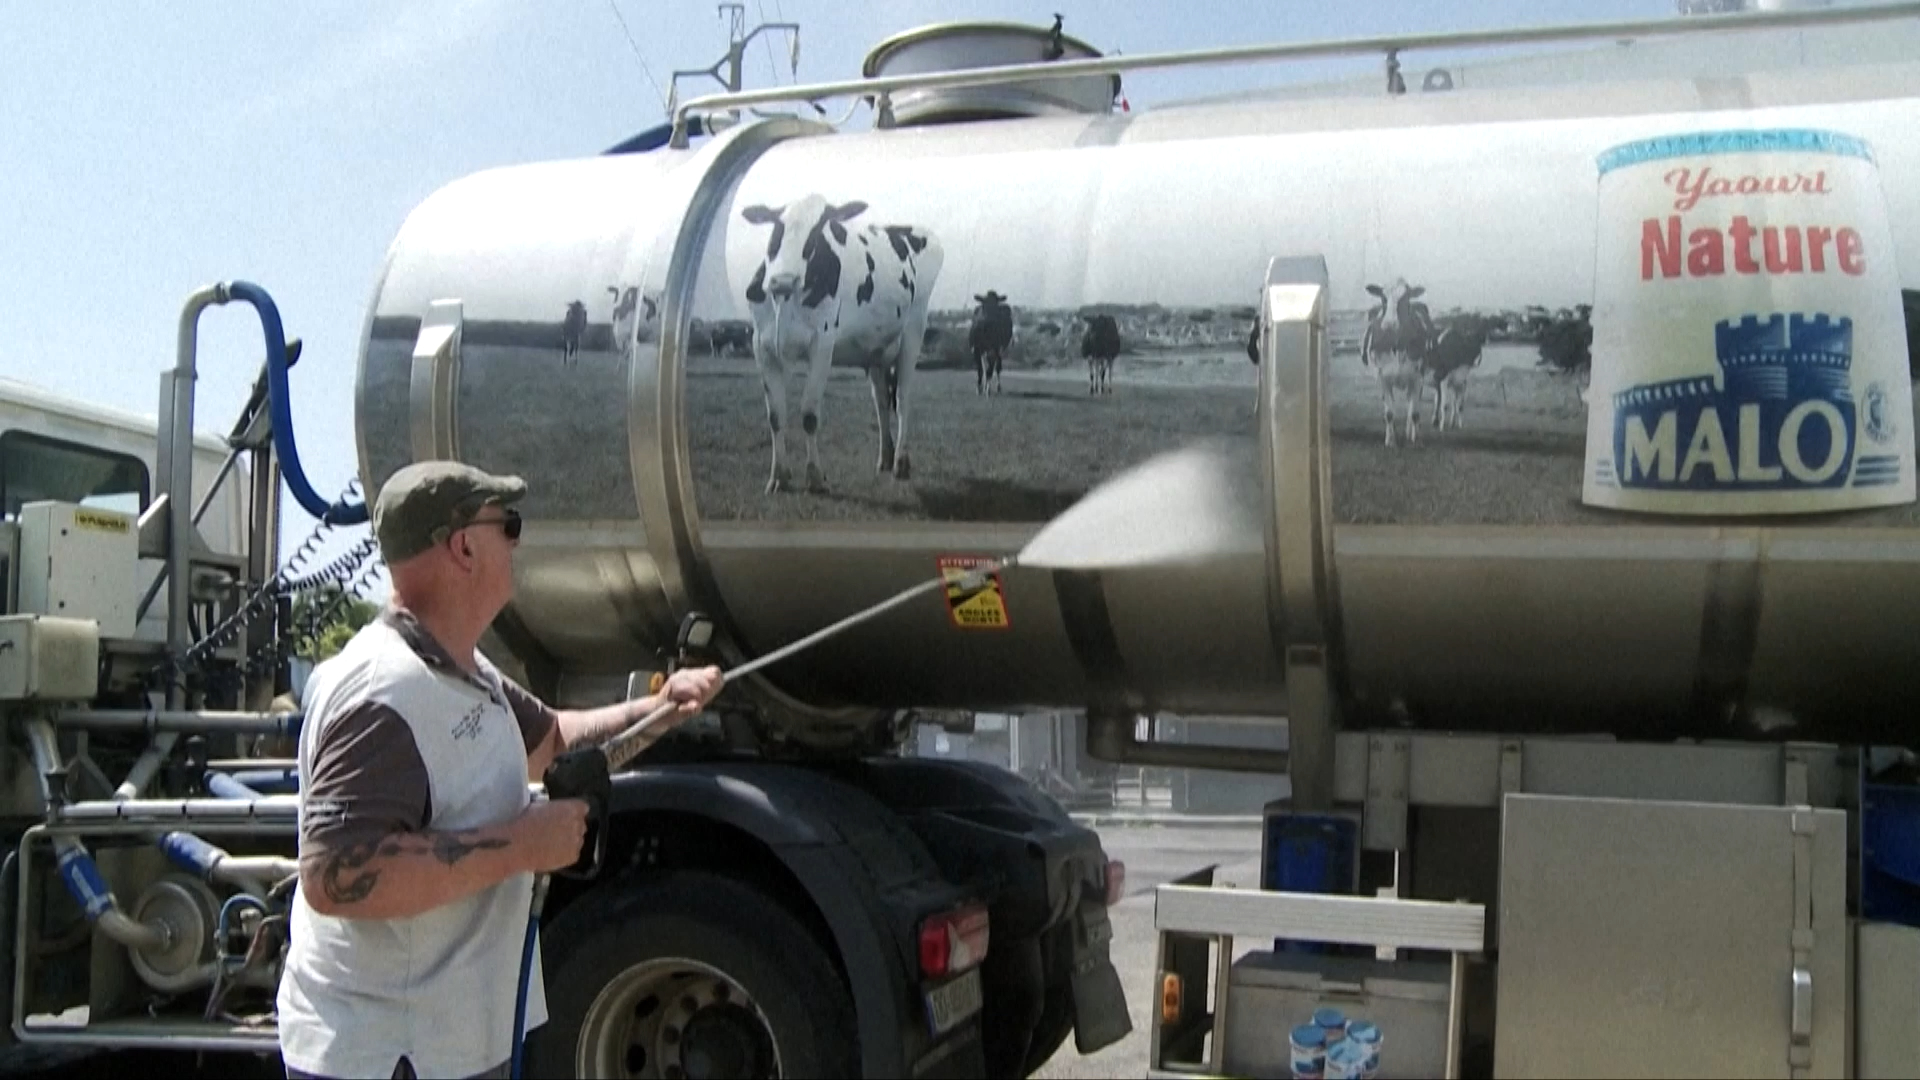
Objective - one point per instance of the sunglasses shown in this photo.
(510, 524)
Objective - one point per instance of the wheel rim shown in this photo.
(676, 1019)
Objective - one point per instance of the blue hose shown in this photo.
(526, 983)
(339, 513)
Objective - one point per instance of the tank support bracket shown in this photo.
(1293, 442)
(1389, 770)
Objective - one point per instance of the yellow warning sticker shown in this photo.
(978, 604)
(101, 521)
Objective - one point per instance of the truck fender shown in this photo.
(858, 865)
(969, 813)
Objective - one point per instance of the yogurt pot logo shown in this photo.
(1749, 348)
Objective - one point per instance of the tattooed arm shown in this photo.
(367, 848)
(549, 732)
(403, 874)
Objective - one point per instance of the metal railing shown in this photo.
(1389, 46)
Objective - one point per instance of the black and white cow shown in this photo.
(1395, 347)
(572, 328)
(1100, 345)
(1450, 362)
(989, 337)
(823, 287)
(634, 316)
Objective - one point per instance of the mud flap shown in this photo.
(1099, 1001)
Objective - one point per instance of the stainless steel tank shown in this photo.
(1568, 552)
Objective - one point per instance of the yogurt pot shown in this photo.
(1749, 347)
(1346, 1060)
(1366, 1034)
(1309, 1045)
(1333, 1022)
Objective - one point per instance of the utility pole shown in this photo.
(738, 38)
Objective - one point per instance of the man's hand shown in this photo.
(691, 689)
(550, 832)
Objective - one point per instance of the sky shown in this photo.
(152, 148)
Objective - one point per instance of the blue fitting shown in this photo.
(191, 852)
(281, 409)
(223, 928)
(222, 786)
(84, 882)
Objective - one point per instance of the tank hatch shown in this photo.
(960, 45)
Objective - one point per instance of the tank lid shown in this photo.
(957, 46)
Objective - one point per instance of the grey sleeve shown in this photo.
(367, 781)
(536, 718)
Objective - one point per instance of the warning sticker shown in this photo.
(102, 521)
(979, 604)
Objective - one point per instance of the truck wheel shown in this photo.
(693, 974)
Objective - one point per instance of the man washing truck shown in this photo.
(418, 847)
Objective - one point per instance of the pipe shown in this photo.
(222, 786)
(76, 867)
(159, 720)
(239, 765)
(269, 781)
(46, 758)
(1111, 739)
(213, 864)
(339, 513)
(83, 880)
(186, 811)
(963, 78)
(146, 1033)
(179, 474)
(148, 764)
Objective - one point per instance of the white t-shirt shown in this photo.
(438, 988)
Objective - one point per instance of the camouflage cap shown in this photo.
(423, 504)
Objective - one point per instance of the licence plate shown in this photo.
(952, 1002)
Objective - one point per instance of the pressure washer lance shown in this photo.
(587, 773)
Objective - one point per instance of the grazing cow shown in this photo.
(989, 337)
(731, 338)
(628, 307)
(571, 330)
(625, 301)
(824, 286)
(1100, 345)
(1395, 346)
(1450, 361)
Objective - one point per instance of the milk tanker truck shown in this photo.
(1576, 425)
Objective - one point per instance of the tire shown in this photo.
(649, 950)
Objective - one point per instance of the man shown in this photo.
(418, 842)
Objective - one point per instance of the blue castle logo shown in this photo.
(1779, 416)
